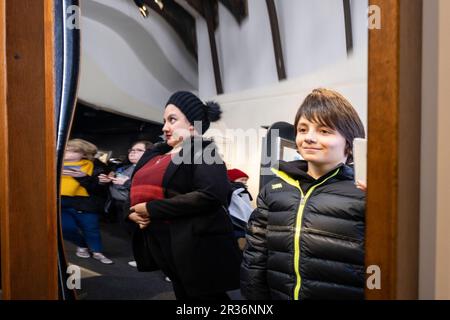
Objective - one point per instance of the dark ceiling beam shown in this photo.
(279, 60)
(180, 20)
(348, 26)
(199, 6)
(210, 8)
(238, 8)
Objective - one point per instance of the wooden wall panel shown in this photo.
(394, 149)
(4, 243)
(381, 219)
(29, 220)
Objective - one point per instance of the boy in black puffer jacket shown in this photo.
(306, 238)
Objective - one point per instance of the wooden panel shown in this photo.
(382, 178)
(394, 144)
(50, 228)
(4, 243)
(30, 228)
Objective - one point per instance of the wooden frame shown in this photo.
(27, 151)
(392, 219)
(4, 204)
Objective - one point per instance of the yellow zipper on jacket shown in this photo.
(298, 223)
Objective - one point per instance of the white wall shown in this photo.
(434, 275)
(246, 51)
(101, 64)
(312, 33)
(206, 82)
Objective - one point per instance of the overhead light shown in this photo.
(144, 11)
(160, 4)
(142, 7)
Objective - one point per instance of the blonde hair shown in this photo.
(88, 149)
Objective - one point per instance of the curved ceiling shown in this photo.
(130, 65)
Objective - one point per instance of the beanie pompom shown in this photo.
(213, 111)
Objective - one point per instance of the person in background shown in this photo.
(240, 207)
(179, 195)
(305, 240)
(119, 181)
(239, 180)
(82, 199)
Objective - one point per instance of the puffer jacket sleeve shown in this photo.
(253, 269)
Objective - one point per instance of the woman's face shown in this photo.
(71, 155)
(176, 126)
(320, 145)
(136, 152)
(242, 180)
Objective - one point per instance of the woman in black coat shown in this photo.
(179, 195)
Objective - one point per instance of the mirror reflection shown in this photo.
(147, 67)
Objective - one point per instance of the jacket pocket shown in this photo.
(280, 228)
(331, 235)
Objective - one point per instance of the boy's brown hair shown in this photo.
(329, 108)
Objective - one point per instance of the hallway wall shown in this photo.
(434, 274)
(312, 35)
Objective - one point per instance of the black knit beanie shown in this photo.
(194, 109)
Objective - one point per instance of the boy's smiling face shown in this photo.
(319, 144)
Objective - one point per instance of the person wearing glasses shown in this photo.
(119, 186)
(120, 182)
(179, 195)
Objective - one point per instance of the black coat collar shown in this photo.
(298, 171)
